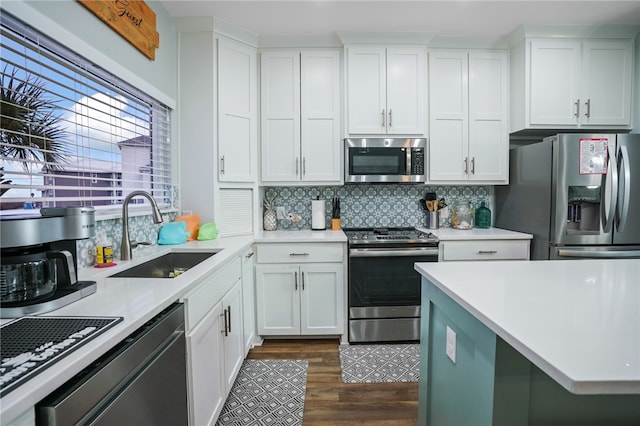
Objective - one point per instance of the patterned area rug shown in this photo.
(267, 392)
(380, 363)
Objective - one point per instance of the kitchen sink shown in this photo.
(169, 265)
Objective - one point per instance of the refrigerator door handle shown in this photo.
(609, 217)
(623, 205)
(601, 254)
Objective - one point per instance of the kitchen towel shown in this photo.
(318, 220)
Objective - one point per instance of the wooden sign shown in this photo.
(132, 19)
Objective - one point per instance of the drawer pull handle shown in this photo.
(298, 254)
(487, 251)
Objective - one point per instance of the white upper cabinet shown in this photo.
(237, 112)
(386, 90)
(468, 104)
(300, 116)
(572, 84)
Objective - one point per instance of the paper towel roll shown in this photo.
(318, 221)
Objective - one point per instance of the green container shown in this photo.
(483, 216)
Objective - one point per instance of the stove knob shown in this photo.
(364, 237)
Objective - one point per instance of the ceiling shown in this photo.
(451, 18)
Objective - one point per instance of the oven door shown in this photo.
(382, 278)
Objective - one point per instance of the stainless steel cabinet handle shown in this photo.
(229, 314)
(297, 165)
(487, 251)
(224, 315)
(298, 254)
(588, 105)
(577, 104)
(295, 279)
(466, 165)
(473, 165)
(304, 165)
(390, 118)
(250, 255)
(382, 115)
(302, 280)
(222, 165)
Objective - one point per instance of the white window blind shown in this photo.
(73, 134)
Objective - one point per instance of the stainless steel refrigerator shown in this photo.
(578, 194)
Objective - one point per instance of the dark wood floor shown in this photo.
(329, 401)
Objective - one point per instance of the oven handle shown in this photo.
(404, 252)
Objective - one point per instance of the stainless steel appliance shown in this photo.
(578, 194)
(38, 265)
(378, 160)
(142, 381)
(384, 288)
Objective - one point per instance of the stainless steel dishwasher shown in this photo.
(142, 381)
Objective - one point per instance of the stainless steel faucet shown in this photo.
(125, 248)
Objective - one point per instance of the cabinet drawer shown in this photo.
(484, 250)
(210, 292)
(299, 252)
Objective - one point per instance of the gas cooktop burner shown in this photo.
(389, 236)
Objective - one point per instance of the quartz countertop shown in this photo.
(303, 235)
(452, 234)
(136, 300)
(577, 320)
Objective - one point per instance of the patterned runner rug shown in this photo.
(267, 392)
(380, 363)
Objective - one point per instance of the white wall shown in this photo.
(70, 23)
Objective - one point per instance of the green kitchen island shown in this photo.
(530, 343)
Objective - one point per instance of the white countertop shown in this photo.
(303, 235)
(577, 320)
(451, 234)
(137, 301)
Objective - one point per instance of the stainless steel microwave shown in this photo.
(379, 160)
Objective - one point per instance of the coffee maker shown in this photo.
(38, 260)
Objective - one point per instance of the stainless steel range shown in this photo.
(384, 288)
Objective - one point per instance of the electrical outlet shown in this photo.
(281, 213)
(451, 344)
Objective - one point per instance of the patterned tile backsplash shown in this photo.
(361, 206)
(376, 205)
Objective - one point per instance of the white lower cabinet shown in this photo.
(215, 341)
(207, 391)
(484, 250)
(301, 298)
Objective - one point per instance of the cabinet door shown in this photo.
(449, 112)
(406, 97)
(320, 115)
(233, 335)
(278, 299)
(488, 117)
(248, 301)
(322, 299)
(366, 90)
(607, 67)
(204, 359)
(554, 90)
(237, 116)
(280, 103)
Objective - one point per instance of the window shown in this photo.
(72, 134)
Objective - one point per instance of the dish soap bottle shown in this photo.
(483, 216)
